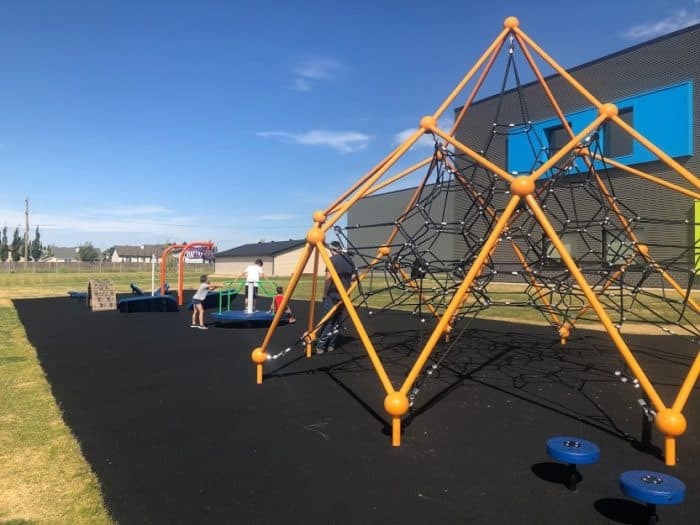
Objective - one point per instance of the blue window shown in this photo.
(664, 117)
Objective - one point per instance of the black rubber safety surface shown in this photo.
(172, 422)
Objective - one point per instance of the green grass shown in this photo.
(43, 476)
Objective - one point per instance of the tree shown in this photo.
(4, 248)
(87, 252)
(35, 246)
(16, 245)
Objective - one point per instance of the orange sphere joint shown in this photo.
(319, 217)
(259, 356)
(384, 251)
(428, 123)
(608, 110)
(522, 186)
(396, 404)
(671, 422)
(643, 249)
(511, 22)
(315, 236)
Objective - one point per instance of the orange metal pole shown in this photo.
(687, 386)
(672, 422)
(163, 263)
(595, 304)
(590, 165)
(666, 159)
(359, 183)
(473, 154)
(298, 270)
(259, 355)
(562, 72)
(544, 85)
(352, 313)
(567, 148)
(371, 180)
(181, 278)
(398, 176)
(646, 176)
(181, 267)
(457, 90)
(644, 253)
(518, 252)
(491, 241)
(477, 87)
(628, 169)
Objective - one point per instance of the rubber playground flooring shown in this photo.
(173, 424)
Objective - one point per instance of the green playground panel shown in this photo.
(229, 289)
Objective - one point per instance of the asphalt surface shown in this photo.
(173, 424)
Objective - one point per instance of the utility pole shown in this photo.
(26, 232)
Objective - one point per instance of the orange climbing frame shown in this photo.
(669, 419)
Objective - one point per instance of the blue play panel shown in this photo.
(147, 303)
(652, 487)
(211, 300)
(78, 295)
(233, 316)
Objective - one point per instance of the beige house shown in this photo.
(142, 253)
(62, 254)
(279, 258)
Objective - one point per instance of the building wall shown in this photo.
(642, 69)
(282, 265)
(372, 219)
(666, 217)
(234, 266)
(285, 263)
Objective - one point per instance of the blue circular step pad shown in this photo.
(573, 450)
(242, 315)
(652, 487)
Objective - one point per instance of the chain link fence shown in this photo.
(95, 267)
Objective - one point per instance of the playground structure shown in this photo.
(519, 212)
(184, 248)
(231, 289)
(101, 295)
(142, 302)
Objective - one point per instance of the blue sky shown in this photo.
(131, 122)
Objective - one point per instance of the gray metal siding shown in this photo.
(641, 69)
(372, 219)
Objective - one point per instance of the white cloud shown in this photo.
(677, 20)
(146, 224)
(302, 85)
(310, 70)
(343, 141)
(133, 221)
(317, 68)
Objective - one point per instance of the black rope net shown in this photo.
(639, 275)
(432, 249)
